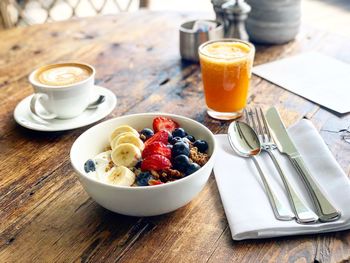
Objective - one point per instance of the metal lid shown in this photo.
(218, 2)
(236, 7)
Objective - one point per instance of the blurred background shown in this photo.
(329, 15)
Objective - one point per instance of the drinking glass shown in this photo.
(226, 67)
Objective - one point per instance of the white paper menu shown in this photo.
(314, 76)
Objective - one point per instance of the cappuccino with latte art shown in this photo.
(63, 90)
(63, 74)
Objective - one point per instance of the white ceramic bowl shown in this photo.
(145, 200)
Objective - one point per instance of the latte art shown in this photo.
(63, 74)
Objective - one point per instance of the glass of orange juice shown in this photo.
(226, 71)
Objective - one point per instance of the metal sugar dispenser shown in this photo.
(235, 14)
(217, 5)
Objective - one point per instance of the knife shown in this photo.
(325, 210)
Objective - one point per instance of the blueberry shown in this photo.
(138, 164)
(143, 178)
(89, 166)
(192, 168)
(146, 133)
(190, 138)
(181, 163)
(180, 148)
(178, 139)
(175, 140)
(179, 132)
(201, 145)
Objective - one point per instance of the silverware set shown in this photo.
(267, 133)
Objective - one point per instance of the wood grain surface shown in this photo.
(46, 216)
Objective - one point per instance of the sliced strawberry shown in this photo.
(155, 182)
(155, 162)
(161, 136)
(156, 148)
(162, 123)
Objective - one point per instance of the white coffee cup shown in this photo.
(64, 90)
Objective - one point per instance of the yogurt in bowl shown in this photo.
(152, 200)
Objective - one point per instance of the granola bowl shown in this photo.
(141, 200)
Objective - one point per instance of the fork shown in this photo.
(303, 213)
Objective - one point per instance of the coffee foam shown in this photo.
(63, 74)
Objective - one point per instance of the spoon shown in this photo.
(96, 103)
(245, 143)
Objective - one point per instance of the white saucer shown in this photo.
(27, 119)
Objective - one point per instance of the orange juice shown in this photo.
(226, 70)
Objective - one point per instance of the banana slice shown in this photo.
(121, 129)
(121, 176)
(128, 137)
(113, 142)
(126, 154)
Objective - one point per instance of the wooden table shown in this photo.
(45, 213)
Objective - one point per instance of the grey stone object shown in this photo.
(273, 21)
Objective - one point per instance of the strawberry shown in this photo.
(162, 123)
(155, 182)
(156, 148)
(155, 162)
(161, 136)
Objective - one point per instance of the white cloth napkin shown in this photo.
(246, 205)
